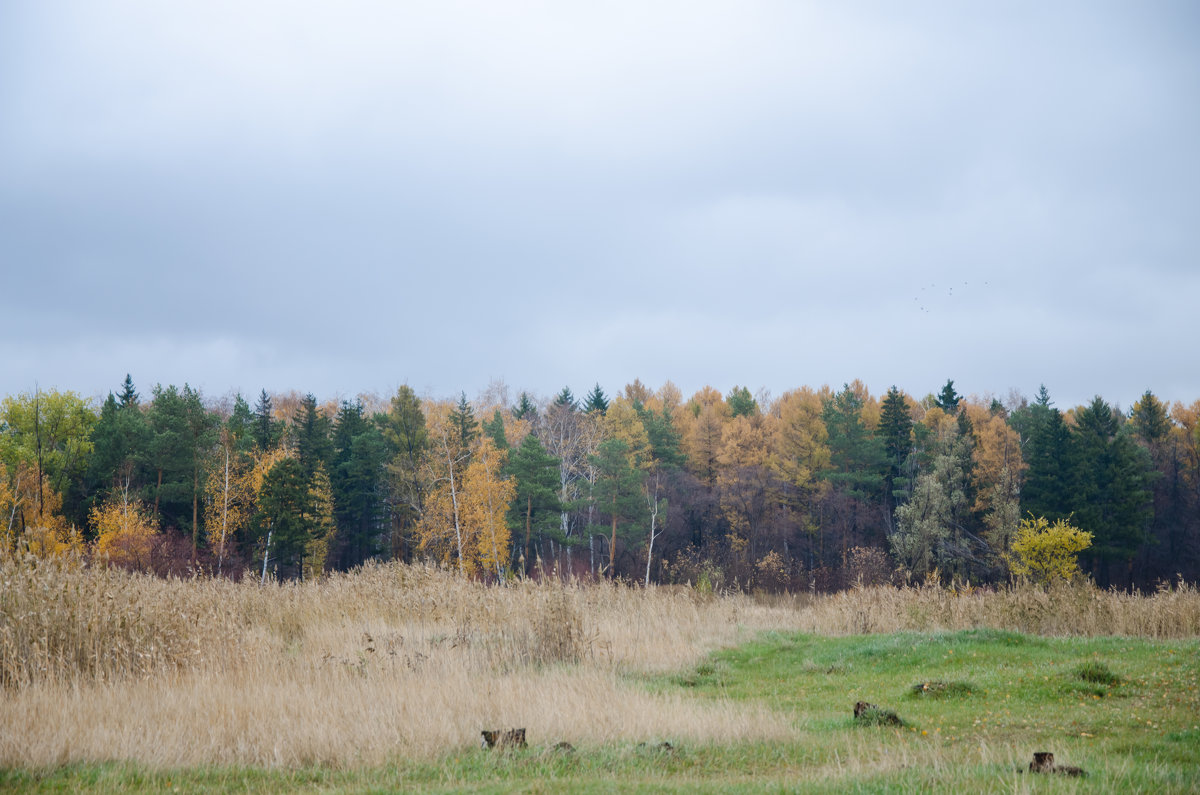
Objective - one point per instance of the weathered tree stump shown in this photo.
(1043, 762)
(503, 738)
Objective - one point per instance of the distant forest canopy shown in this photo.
(816, 489)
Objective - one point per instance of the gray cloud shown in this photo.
(346, 197)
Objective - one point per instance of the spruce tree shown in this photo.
(1150, 419)
(120, 451)
(595, 401)
(462, 420)
(895, 431)
(310, 430)
(948, 399)
(525, 409)
(265, 435)
(494, 430)
(240, 424)
(129, 395)
(566, 399)
(1112, 478)
(1050, 456)
(356, 482)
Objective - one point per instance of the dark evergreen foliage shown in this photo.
(741, 402)
(310, 432)
(895, 431)
(356, 479)
(525, 409)
(948, 399)
(565, 398)
(494, 429)
(265, 433)
(535, 510)
(595, 401)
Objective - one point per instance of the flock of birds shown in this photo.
(950, 292)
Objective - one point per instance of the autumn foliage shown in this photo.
(1045, 551)
(751, 490)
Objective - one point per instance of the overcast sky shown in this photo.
(342, 197)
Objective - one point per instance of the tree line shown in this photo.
(817, 488)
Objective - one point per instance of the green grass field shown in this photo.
(975, 706)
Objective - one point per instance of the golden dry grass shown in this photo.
(394, 662)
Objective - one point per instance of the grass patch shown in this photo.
(1097, 673)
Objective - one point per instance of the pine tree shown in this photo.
(184, 432)
(858, 459)
(665, 440)
(289, 515)
(536, 508)
(741, 402)
(618, 494)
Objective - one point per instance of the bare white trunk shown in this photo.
(653, 504)
(224, 518)
(12, 516)
(266, 556)
(458, 533)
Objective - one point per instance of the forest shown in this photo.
(816, 489)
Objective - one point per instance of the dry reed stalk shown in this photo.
(345, 716)
(1078, 609)
(398, 661)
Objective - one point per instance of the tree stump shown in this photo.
(1043, 762)
(503, 738)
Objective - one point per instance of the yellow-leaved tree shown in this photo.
(229, 495)
(30, 514)
(124, 532)
(1046, 552)
(486, 495)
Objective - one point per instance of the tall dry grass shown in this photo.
(395, 661)
(1065, 609)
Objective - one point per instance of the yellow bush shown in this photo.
(1046, 552)
(124, 533)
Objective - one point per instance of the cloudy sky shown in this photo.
(341, 197)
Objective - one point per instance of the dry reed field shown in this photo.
(397, 662)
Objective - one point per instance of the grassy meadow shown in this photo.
(383, 678)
